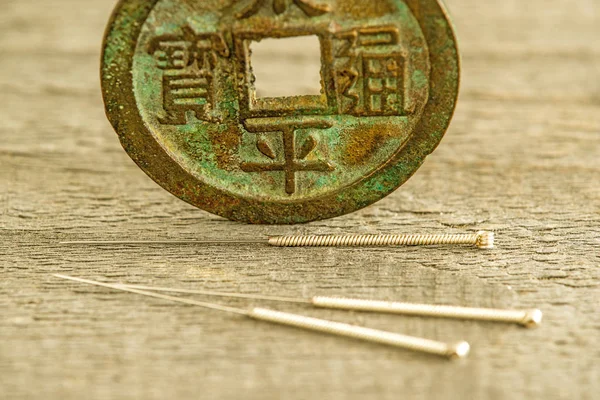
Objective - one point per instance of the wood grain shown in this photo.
(522, 158)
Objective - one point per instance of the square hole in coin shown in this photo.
(287, 67)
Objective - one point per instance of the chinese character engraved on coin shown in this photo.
(180, 90)
(188, 61)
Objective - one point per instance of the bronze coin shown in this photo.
(179, 89)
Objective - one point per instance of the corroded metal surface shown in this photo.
(179, 89)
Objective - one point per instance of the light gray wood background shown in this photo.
(522, 158)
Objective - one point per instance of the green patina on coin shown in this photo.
(179, 89)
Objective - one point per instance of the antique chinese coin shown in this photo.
(181, 92)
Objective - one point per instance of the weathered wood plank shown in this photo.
(521, 158)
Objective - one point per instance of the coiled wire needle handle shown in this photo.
(483, 240)
(451, 351)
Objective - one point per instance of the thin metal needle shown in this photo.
(527, 318)
(482, 240)
(451, 351)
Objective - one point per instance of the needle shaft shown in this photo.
(160, 242)
(218, 294)
(156, 295)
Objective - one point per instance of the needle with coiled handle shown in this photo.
(482, 240)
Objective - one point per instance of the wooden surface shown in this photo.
(521, 158)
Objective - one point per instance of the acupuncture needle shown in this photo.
(482, 240)
(451, 351)
(531, 318)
